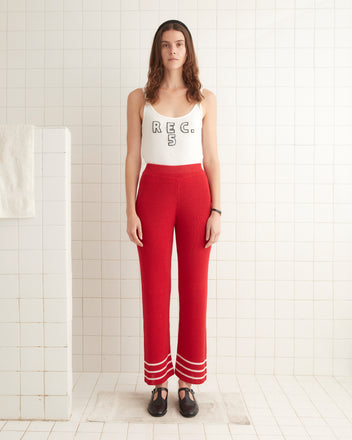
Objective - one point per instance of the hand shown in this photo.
(212, 230)
(134, 227)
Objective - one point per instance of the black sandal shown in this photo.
(188, 407)
(158, 407)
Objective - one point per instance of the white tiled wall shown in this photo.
(280, 276)
(36, 292)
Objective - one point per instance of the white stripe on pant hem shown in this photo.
(158, 371)
(160, 377)
(190, 369)
(194, 363)
(192, 377)
(158, 363)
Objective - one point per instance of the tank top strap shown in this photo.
(200, 104)
(146, 103)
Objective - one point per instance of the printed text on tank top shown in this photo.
(171, 127)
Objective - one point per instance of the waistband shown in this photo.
(173, 169)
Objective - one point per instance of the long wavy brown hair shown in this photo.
(190, 67)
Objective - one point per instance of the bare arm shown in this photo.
(211, 166)
(210, 155)
(133, 156)
(133, 164)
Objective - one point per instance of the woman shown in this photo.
(175, 192)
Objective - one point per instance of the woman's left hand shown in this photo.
(212, 231)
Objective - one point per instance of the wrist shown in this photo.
(130, 211)
(216, 211)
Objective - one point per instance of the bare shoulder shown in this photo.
(209, 101)
(209, 96)
(135, 100)
(136, 95)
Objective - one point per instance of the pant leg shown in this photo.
(155, 206)
(193, 211)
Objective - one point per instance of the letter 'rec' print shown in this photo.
(171, 130)
(170, 127)
(156, 127)
(184, 130)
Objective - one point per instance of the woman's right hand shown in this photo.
(134, 226)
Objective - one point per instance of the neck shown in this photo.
(173, 79)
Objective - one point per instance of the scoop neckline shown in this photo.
(173, 117)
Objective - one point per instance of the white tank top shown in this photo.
(172, 140)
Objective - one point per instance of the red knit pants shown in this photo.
(174, 197)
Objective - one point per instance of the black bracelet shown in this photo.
(217, 210)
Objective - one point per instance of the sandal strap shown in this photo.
(186, 389)
(159, 388)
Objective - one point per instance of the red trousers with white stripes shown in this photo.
(174, 197)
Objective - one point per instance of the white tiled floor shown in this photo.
(279, 407)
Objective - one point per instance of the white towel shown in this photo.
(17, 198)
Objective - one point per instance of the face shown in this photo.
(173, 49)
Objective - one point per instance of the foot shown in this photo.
(163, 392)
(182, 384)
(188, 405)
(157, 407)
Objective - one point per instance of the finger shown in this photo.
(137, 241)
(211, 239)
(139, 229)
(209, 243)
(138, 234)
(207, 233)
(134, 238)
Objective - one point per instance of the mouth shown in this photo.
(173, 59)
